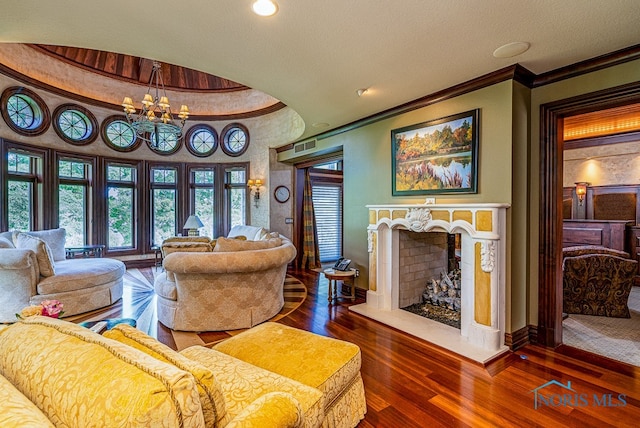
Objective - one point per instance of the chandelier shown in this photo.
(155, 121)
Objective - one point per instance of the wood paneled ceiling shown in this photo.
(138, 70)
(603, 122)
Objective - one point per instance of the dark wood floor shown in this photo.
(410, 383)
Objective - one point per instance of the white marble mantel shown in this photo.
(483, 230)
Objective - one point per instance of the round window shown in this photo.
(236, 139)
(119, 135)
(164, 142)
(75, 124)
(24, 111)
(201, 140)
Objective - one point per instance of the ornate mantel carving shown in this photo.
(419, 219)
(488, 256)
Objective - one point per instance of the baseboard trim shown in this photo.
(521, 337)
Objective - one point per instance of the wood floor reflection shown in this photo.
(411, 383)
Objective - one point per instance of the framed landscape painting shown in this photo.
(439, 156)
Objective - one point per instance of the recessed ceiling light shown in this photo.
(511, 49)
(320, 125)
(362, 91)
(265, 7)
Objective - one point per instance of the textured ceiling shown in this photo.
(314, 55)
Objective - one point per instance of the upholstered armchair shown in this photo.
(597, 281)
(238, 284)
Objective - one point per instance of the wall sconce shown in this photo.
(192, 225)
(254, 185)
(581, 191)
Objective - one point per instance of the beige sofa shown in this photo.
(34, 268)
(55, 373)
(236, 284)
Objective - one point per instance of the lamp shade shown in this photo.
(147, 100)
(193, 222)
(581, 188)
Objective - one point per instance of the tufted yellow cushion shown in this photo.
(325, 363)
(275, 409)
(79, 378)
(233, 244)
(242, 383)
(213, 406)
(17, 411)
(42, 250)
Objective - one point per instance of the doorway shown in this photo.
(327, 195)
(552, 117)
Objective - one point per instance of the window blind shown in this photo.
(327, 205)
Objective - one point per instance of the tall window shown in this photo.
(236, 195)
(327, 206)
(121, 191)
(202, 198)
(73, 200)
(163, 204)
(22, 190)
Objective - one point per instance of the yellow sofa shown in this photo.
(55, 373)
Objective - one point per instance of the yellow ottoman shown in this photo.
(330, 365)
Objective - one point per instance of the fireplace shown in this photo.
(429, 276)
(482, 229)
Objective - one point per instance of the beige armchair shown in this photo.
(237, 285)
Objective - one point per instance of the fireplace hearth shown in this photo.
(482, 275)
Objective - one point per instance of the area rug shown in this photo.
(139, 302)
(615, 338)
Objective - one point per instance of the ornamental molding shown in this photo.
(418, 219)
(370, 241)
(488, 255)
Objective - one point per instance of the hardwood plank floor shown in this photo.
(411, 383)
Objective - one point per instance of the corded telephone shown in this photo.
(342, 264)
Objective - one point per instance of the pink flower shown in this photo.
(52, 308)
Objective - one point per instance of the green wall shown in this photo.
(367, 166)
(598, 80)
(508, 172)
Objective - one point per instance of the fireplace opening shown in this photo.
(430, 275)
